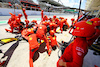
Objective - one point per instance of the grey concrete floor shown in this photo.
(19, 53)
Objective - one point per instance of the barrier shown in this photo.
(5, 12)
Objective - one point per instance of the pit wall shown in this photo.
(5, 12)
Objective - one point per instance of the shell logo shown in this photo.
(30, 38)
(77, 27)
(54, 38)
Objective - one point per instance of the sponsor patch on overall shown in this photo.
(80, 51)
(77, 27)
(88, 22)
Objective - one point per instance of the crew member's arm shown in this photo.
(67, 24)
(66, 57)
(47, 44)
(77, 58)
(56, 42)
(25, 15)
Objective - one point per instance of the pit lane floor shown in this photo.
(18, 54)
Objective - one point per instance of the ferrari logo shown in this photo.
(95, 21)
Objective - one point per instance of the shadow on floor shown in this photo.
(9, 52)
(41, 50)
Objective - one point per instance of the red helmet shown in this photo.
(45, 17)
(57, 19)
(63, 20)
(61, 17)
(34, 21)
(20, 15)
(13, 16)
(41, 31)
(17, 19)
(72, 19)
(84, 29)
(94, 19)
(24, 9)
(54, 16)
(44, 23)
(27, 20)
(96, 23)
(52, 32)
(50, 18)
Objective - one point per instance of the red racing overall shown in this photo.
(33, 43)
(63, 21)
(53, 26)
(52, 40)
(74, 53)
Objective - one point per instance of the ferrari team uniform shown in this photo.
(33, 42)
(74, 53)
